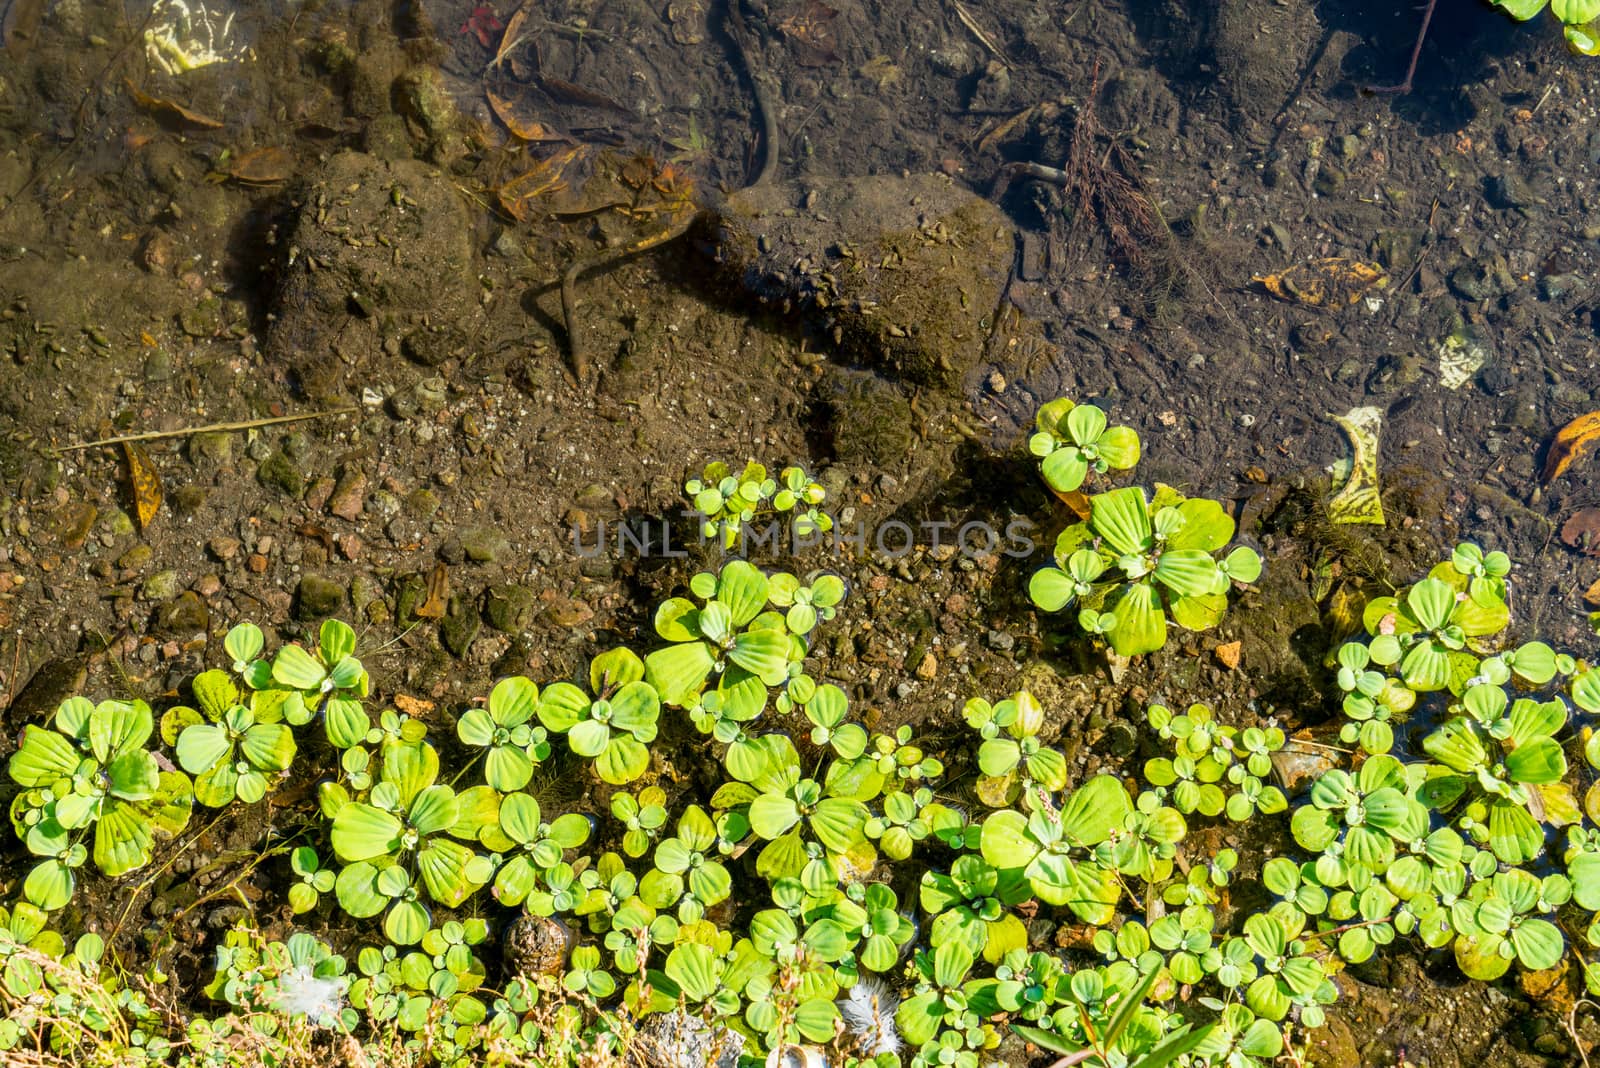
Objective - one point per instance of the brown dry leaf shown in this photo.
(1077, 501)
(145, 483)
(1228, 654)
(263, 166)
(1332, 283)
(810, 31)
(545, 176)
(1591, 596)
(511, 38)
(1581, 531)
(1257, 475)
(521, 124)
(1572, 442)
(576, 95)
(171, 111)
(438, 594)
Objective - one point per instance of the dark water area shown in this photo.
(523, 270)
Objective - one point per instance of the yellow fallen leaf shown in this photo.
(145, 482)
(1358, 501)
(1572, 442)
(1332, 282)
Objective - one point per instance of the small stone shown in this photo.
(929, 668)
(318, 597)
(1000, 640)
(318, 494)
(279, 472)
(483, 545)
(997, 382)
(212, 449)
(257, 563)
(162, 586)
(459, 627)
(510, 608)
(223, 547)
(347, 500)
(208, 586)
(187, 499)
(1228, 654)
(349, 546)
(422, 503)
(135, 558)
(568, 612)
(184, 614)
(74, 522)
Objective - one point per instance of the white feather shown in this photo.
(868, 1010)
(300, 993)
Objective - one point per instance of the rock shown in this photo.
(279, 472)
(1482, 280)
(902, 272)
(483, 545)
(1510, 190)
(347, 288)
(74, 522)
(135, 558)
(460, 626)
(223, 547)
(317, 597)
(162, 586)
(568, 612)
(211, 449)
(347, 500)
(868, 418)
(510, 609)
(184, 614)
(318, 494)
(433, 344)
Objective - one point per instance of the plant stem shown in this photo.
(1416, 53)
(248, 424)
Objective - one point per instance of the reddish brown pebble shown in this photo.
(878, 582)
(349, 546)
(208, 586)
(318, 494)
(223, 547)
(257, 563)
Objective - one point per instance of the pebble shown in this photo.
(223, 547)
(929, 667)
(279, 472)
(135, 558)
(208, 586)
(318, 494)
(1000, 640)
(185, 614)
(348, 498)
(318, 597)
(257, 563)
(162, 586)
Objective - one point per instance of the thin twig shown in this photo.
(248, 424)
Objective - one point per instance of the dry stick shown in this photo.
(1416, 53)
(248, 424)
(569, 282)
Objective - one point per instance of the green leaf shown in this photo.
(122, 839)
(1140, 625)
(1064, 469)
(839, 823)
(295, 667)
(694, 968)
(635, 708)
(507, 768)
(445, 867)
(43, 757)
(1539, 762)
(743, 588)
(268, 746)
(361, 832)
(1094, 810)
(1575, 12)
(679, 672)
(1188, 572)
(1052, 589)
(49, 885)
(588, 738)
(771, 815)
(346, 721)
(622, 761)
(1538, 943)
(1122, 518)
(563, 706)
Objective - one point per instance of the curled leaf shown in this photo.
(1572, 442)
